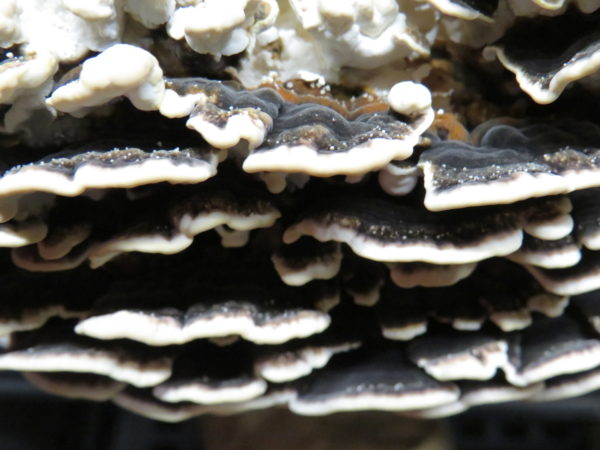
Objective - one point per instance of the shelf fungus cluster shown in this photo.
(324, 206)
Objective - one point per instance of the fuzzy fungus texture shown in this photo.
(321, 205)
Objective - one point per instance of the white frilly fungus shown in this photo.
(208, 30)
(122, 70)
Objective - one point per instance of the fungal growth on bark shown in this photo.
(323, 206)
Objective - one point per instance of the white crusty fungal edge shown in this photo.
(370, 155)
(402, 401)
(291, 365)
(496, 245)
(93, 174)
(574, 284)
(249, 124)
(404, 332)
(177, 412)
(552, 229)
(433, 275)
(567, 254)
(252, 127)
(110, 364)
(520, 187)
(483, 395)
(205, 394)
(573, 70)
(322, 268)
(186, 228)
(568, 386)
(477, 363)
(569, 363)
(407, 98)
(121, 70)
(143, 327)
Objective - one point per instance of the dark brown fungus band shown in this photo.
(511, 163)
(76, 385)
(306, 260)
(586, 212)
(509, 306)
(262, 310)
(187, 215)
(165, 222)
(466, 315)
(402, 314)
(543, 63)
(551, 221)
(68, 221)
(298, 358)
(206, 374)
(549, 348)
(556, 254)
(67, 295)
(143, 402)
(588, 305)
(466, 305)
(62, 239)
(362, 279)
(473, 393)
(578, 279)
(55, 348)
(572, 385)
(312, 139)
(383, 230)
(367, 379)
(224, 114)
(104, 165)
(284, 136)
(452, 355)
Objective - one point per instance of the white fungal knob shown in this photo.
(409, 98)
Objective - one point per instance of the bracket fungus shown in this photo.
(324, 206)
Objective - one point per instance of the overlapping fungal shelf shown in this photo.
(324, 206)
